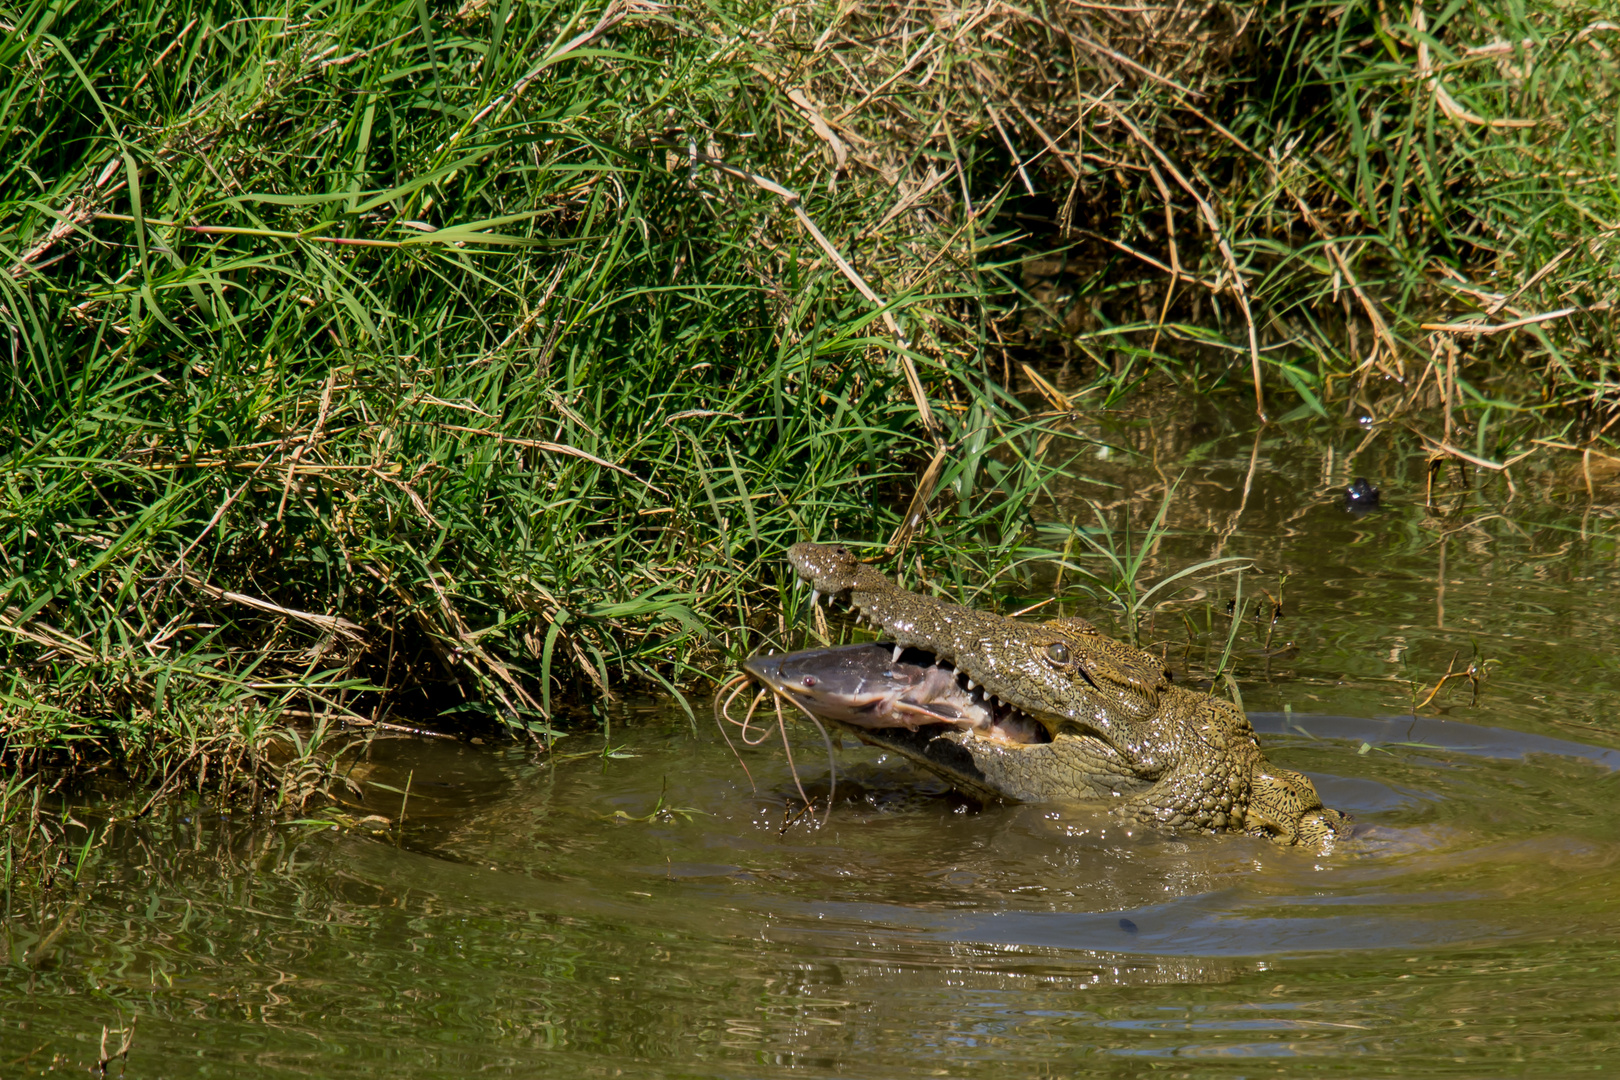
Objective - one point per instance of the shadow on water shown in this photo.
(655, 915)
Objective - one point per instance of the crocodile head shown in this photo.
(1119, 729)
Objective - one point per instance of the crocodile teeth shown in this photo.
(815, 597)
(970, 684)
(897, 651)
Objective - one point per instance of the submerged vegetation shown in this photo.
(375, 362)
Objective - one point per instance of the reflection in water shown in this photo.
(652, 915)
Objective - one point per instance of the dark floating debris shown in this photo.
(1360, 496)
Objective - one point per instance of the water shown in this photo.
(656, 915)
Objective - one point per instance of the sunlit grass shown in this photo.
(373, 366)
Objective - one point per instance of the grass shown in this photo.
(1464, 170)
(1363, 206)
(391, 364)
(1121, 558)
(387, 362)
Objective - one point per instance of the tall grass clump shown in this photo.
(383, 361)
(1463, 163)
(1370, 203)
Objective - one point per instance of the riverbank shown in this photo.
(394, 365)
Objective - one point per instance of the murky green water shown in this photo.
(547, 917)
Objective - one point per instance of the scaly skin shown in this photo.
(1121, 731)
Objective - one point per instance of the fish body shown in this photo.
(870, 687)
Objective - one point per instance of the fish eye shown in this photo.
(1058, 653)
(809, 680)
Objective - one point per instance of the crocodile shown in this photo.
(1110, 724)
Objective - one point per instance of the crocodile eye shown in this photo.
(1058, 653)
